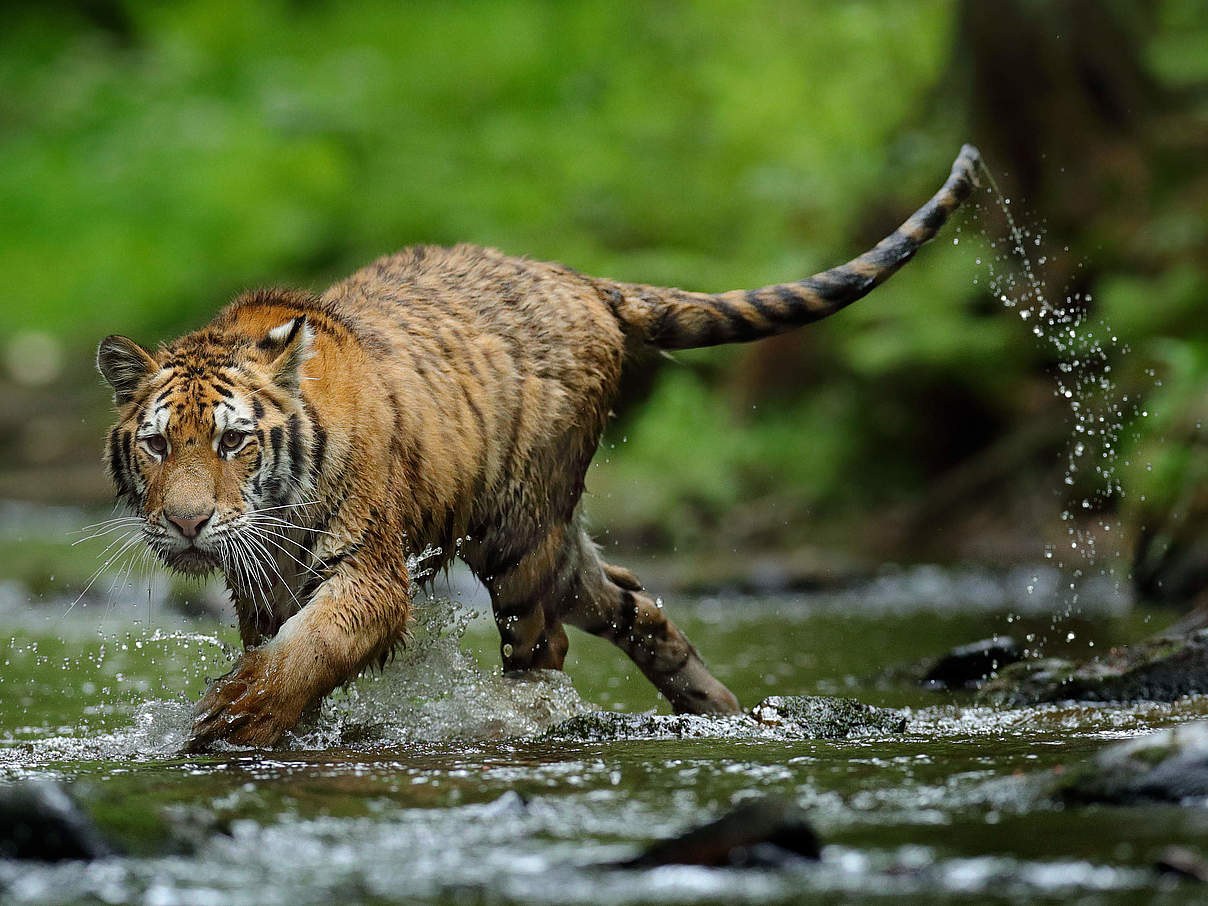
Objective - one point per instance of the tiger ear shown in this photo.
(124, 364)
(289, 346)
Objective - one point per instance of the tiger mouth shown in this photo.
(191, 560)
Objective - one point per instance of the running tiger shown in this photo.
(445, 399)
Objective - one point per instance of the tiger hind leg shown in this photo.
(531, 636)
(616, 608)
(563, 580)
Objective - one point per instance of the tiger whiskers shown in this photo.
(258, 517)
(244, 574)
(275, 538)
(106, 527)
(250, 538)
(124, 544)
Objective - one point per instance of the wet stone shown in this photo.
(1157, 669)
(968, 666)
(1168, 766)
(823, 717)
(40, 822)
(779, 716)
(609, 725)
(764, 833)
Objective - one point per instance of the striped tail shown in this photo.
(674, 319)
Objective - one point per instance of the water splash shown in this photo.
(435, 690)
(1083, 349)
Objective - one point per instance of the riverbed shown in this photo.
(440, 780)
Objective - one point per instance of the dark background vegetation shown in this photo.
(157, 158)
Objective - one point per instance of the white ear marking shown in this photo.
(281, 334)
(294, 339)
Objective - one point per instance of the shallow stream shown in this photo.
(440, 780)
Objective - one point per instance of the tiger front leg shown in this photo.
(348, 624)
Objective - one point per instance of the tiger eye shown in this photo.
(231, 439)
(156, 443)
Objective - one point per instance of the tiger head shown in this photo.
(211, 441)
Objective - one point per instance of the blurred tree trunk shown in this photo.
(1064, 109)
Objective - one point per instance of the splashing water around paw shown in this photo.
(435, 691)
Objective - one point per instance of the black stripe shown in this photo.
(115, 465)
(223, 390)
(267, 397)
(127, 452)
(318, 448)
(839, 284)
(796, 308)
(257, 407)
(739, 328)
(891, 253)
(934, 219)
(769, 312)
(273, 483)
(474, 409)
(295, 450)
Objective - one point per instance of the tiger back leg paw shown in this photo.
(564, 580)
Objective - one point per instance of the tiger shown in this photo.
(439, 402)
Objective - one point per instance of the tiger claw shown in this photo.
(244, 707)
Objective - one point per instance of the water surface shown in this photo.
(438, 780)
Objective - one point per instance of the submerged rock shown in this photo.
(968, 666)
(761, 833)
(1158, 669)
(784, 716)
(40, 822)
(1168, 766)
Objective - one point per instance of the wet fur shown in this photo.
(445, 399)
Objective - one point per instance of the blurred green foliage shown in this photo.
(157, 158)
(147, 175)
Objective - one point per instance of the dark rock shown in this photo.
(785, 716)
(1183, 863)
(40, 822)
(823, 717)
(967, 666)
(1157, 669)
(762, 833)
(1168, 766)
(181, 831)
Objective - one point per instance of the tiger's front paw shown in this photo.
(252, 705)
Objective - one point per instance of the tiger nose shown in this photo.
(190, 525)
